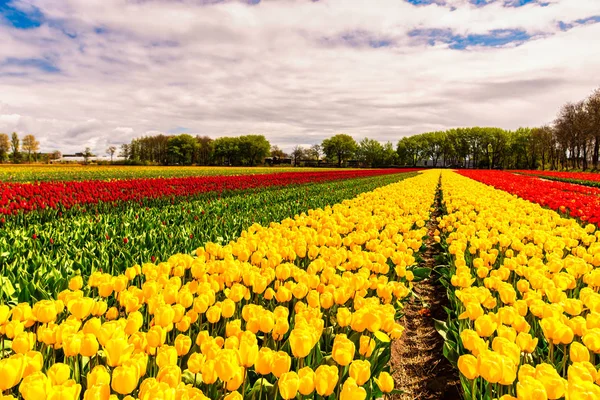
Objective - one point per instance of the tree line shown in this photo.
(16, 150)
(252, 150)
(572, 141)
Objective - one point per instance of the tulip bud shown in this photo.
(288, 384)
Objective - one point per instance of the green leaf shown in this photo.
(421, 273)
(441, 327)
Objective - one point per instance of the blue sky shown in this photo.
(79, 73)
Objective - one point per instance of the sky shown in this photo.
(95, 73)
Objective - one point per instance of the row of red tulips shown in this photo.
(578, 201)
(24, 197)
(582, 178)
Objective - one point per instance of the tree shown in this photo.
(55, 155)
(341, 147)
(227, 148)
(297, 154)
(181, 149)
(30, 145)
(111, 150)
(124, 151)
(370, 152)
(253, 149)
(390, 157)
(204, 150)
(410, 150)
(15, 144)
(593, 111)
(87, 153)
(314, 152)
(277, 152)
(4, 146)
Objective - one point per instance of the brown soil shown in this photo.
(419, 367)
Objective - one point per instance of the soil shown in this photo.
(419, 367)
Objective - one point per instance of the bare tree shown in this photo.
(297, 154)
(111, 150)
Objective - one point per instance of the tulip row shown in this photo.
(523, 283)
(580, 178)
(56, 198)
(577, 201)
(60, 172)
(301, 308)
(38, 258)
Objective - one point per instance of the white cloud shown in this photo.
(297, 71)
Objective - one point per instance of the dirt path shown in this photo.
(418, 364)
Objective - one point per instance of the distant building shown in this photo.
(278, 161)
(78, 158)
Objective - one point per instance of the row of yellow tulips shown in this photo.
(524, 285)
(304, 307)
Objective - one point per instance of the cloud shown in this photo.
(95, 73)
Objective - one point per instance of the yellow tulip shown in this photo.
(75, 283)
(288, 384)
(280, 363)
(118, 350)
(238, 378)
(307, 381)
(209, 373)
(23, 342)
(98, 376)
(35, 386)
(531, 389)
(44, 311)
(578, 352)
(301, 342)
(226, 364)
(248, 349)
(264, 360)
(326, 378)
(344, 317)
(169, 374)
(360, 371)
(195, 362)
(351, 391)
(59, 373)
(81, 308)
(233, 396)
(467, 364)
(385, 382)
(343, 350)
(125, 378)
(166, 355)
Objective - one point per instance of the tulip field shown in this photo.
(265, 284)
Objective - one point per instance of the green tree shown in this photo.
(204, 150)
(227, 148)
(181, 149)
(15, 144)
(410, 150)
(4, 146)
(389, 155)
(254, 148)
(370, 152)
(340, 147)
